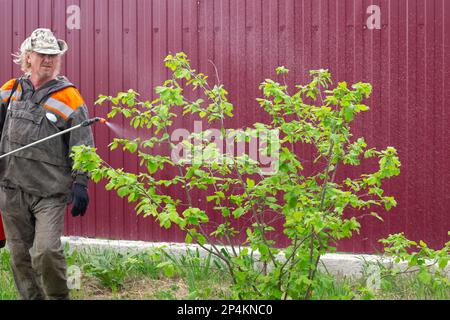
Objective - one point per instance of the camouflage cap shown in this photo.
(43, 41)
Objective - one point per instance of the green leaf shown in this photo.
(250, 183)
(442, 262)
(133, 197)
(348, 114)
(374, 214)
(122, 191)
(100, 99)
(201, 239)
(132, 147)
(362, 107)
(188, 238)
(168, 268)
(424, 276)
(293, 200)
(282, 70)
(238, 213)
(152, 166)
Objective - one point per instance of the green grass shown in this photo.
(205, 276)
(7, 287)
(108, 274)
(409, 287)
(129, 275)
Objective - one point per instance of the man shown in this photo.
(37, 183)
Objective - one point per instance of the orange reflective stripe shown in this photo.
(63, 108)
(5, 95)
(17, 93)
(70, 97)
(5, 90)
(9, 85)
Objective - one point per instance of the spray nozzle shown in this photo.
(89, 122)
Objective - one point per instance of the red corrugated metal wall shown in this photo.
(121, 44)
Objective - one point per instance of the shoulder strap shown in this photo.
(14, 88)
(4, 110)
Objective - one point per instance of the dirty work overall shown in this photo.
(34, 188)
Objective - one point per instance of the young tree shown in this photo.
(310, 204)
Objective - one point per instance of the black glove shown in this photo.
(80, 199)
(2, 243)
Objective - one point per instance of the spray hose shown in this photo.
(85, 123)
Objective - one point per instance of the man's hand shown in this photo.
(80, 199)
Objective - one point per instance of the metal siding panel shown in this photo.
(222, 38)
(46, 13)
(190, 45)
(380, 110)
(348, 75)
(175, 43)
(211, 15)
(19, 30)
(6, 24)
(238, 73)
(59, 27)
(356, 38)
(400, 220)
(101, 85)
(298, 67)
(289, 60)
(116, 51)
(206, 36)
(304, 152)
(437, 210)
(31, 16)
(287, 57)
(130, 82)
(374, 124)
(412, 166)
(407, 61)
(324, 27)
(257, 55)
(145, 85)
(316, 35)
(380, 229)
(159, 73)
(428, 104)
(340, 45)
(72, 67)
(395, 135)
(445, 195)
(87, 86)
(191, 48)
(420, 112)
(333, 36)
(269, 37)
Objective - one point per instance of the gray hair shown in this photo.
(20, 58)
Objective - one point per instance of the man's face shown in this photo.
(44, 66)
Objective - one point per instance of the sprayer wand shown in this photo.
(85, 123)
